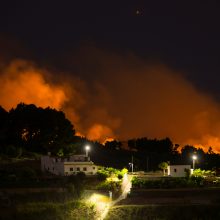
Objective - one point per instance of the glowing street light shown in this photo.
(194, 157)
(132, 165)
(87, 148)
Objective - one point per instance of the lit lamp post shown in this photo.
(194, 157)
(132, 165)
(87, 148)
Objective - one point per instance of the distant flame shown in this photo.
(79, 134)
(163, 103)
(99, 132)
(108, 139)
(205, 142)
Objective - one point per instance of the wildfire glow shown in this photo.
(21, 82)
(128, 98)
(98, 132)
(108, 139)
(80, 134)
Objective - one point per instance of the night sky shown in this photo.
(181, 34)
(63, 36)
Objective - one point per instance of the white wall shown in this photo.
(63, 167)
(91, 169)
(51, 165)
(178, 170)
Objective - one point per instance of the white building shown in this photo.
(68, 166)
(178, 170)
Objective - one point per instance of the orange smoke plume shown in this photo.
(99, 132)
(151, 100)
(127, 98)
(22, 82)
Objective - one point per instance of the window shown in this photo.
(175, 170)
(93, 168)
(84, 169)
(71, 169)
(78, 168)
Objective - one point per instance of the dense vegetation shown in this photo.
(29, 131)
(28, 128)
(171, 183)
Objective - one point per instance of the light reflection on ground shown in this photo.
(103, 203)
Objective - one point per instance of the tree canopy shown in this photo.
(36, 129)
(28, 128)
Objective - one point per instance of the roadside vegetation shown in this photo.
(111, 179)
(200, 178)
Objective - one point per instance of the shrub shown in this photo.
(106, 172)
(104, 185)
(122, 173)
(168, 183)
(198, 180)
(102, 174)
(109, 185)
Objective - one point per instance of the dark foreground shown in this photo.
(165, 212)
(199, 203)
(166, 204)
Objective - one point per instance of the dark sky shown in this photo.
(182, 34)
(113, 64)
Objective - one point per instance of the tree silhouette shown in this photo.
(163, 166)
(39, 130)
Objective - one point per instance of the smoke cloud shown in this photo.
(118, 96)
(22, 82)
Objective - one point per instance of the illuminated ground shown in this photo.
(103, 203)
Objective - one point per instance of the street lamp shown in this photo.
(132, 165)
(194, 157)
(87, 148)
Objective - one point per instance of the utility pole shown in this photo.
(132, 164)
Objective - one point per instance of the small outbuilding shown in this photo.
(179, 170)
